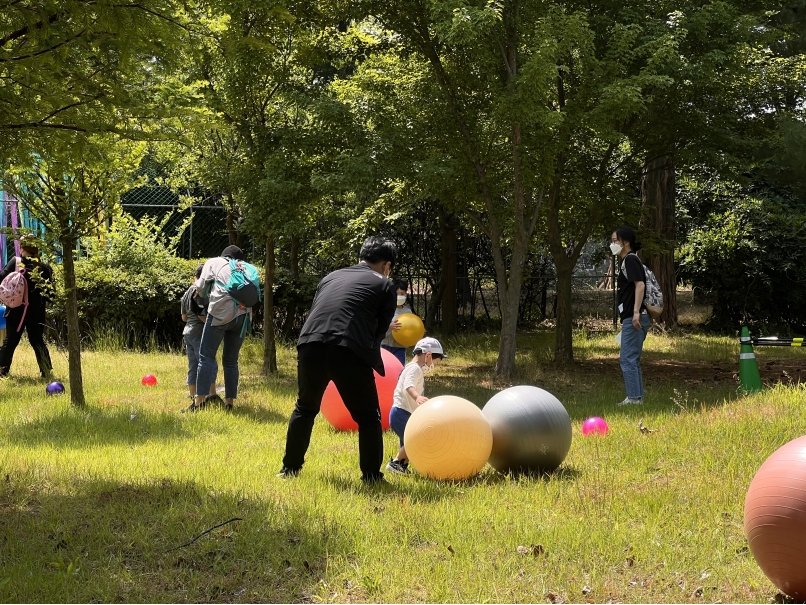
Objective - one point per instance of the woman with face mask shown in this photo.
(635, 320)
(389, 343)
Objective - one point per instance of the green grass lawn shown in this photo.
(96, 504)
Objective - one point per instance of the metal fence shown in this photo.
(206, 233)
(478, 301)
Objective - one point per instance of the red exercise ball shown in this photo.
(775, 518)
(149, 380)
(334, 410)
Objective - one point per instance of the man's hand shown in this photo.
(636, 320)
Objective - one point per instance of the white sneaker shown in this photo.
(628, 401)
(397, 467)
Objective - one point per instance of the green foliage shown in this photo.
(748, 256)
(130, 282)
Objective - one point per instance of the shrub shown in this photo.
(130, 282)
(749, 259)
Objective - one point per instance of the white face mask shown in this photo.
(428, 366)
(401, 300)
(616, 248)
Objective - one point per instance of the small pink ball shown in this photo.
(595, 426)
(149, 380)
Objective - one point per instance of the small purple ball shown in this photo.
(54, 388)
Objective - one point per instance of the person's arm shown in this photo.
(635, 273)
(640, 287)
(420, 399)
(386, 311)
(207, 277)
(9, 268)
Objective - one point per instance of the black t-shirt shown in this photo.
(632, 270)
(352, 308)
(39, 276)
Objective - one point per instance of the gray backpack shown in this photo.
(653, 295)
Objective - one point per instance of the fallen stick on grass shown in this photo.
(206, 531)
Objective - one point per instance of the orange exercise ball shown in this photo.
(448, 437)
(411, 329)
(334, 410)
(775, 518)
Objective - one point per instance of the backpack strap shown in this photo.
(24, 301)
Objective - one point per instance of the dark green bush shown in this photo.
(748, 258)
(130, 282)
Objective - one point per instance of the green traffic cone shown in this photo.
(749, 378)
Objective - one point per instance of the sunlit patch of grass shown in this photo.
(103, 504)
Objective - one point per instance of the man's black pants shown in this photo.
(34, 324)
(317, 365)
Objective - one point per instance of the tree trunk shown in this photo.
(436, 299)
(564, 343)
(507, 343)
(449, 241)
(269, 345)
(73, 330)
(291, 310)
(658, 219)
(234, 235)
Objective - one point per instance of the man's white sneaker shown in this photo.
(628, 401)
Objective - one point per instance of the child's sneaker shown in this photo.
(397, 467)
(628, 401)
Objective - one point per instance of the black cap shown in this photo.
(232, 252)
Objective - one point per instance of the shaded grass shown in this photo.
(93, 501)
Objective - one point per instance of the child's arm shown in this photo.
(207, 277)
(419, 399)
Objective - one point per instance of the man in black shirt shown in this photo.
(341, 341)
(39, 277)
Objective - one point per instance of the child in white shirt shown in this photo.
(409, 394)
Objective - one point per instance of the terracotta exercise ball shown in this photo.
(531, 430)
(334, 410)
(411, 330)
(775, 518)
(448, 437)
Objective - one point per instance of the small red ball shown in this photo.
(149, 380)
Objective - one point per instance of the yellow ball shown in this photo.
(448, 437)
(411, 330)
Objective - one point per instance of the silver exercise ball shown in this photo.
(531, 430)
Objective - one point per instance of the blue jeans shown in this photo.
(192, 344)
(211, 339)
(632, 344)
(398, 418)
(399, 352)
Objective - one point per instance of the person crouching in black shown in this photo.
(341, 341)
(39, 277)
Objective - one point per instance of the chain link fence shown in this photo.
(210, 226)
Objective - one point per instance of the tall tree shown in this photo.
(73, 186)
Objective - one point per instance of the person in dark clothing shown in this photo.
(635, 320)
(39, 277)
(341, 341)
